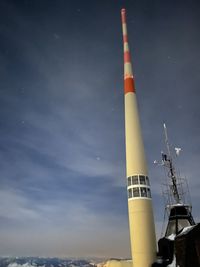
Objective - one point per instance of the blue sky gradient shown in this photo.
(62, 145)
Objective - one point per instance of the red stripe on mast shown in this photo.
(129, 85)
(127, 57)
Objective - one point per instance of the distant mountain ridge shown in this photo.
(45, 262)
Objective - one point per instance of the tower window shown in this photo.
(135, 179)
(148, 193)
(129, 181)
(147, 180)
(136, 192)
(130, 193)
(142, 179)
(143, 191)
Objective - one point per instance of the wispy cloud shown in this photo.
(62, 151)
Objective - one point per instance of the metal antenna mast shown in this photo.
(175, 188)
(167, 161)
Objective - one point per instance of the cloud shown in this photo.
(62, 155)
(15, 207)
(60, 228)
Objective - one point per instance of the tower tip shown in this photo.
(123, 14)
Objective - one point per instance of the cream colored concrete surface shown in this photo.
(142, 232)
(128, 70)
(135, 156)
(124, 29)
(126, 47)
(141, 221)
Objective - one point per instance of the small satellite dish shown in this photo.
(178, 150)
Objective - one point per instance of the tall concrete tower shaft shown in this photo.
(141, 221)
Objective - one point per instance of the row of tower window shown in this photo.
(138, 179)
(139, 192)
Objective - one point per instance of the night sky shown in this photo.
(62, 143)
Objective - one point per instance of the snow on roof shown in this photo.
(171, 237)
(186, 230)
